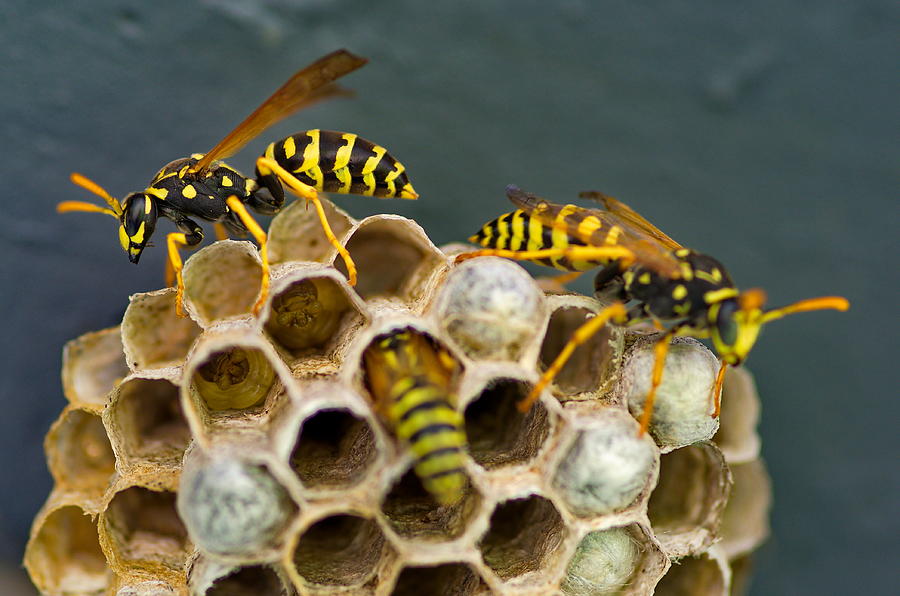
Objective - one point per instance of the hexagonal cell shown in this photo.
(307, 315)
(233, 507)
(607, 466)
(745, 522)
(619, 561)
(414, 514)
(152, 334)
(260, 580)
(523, 537)
(79, 453)
(142, 529)
(448, 579)
(393, 256)
(147, 422)
(491, 308)
(296, 235)
(690, 576)
(340, 550)
(686, 506)
(498, 433)
(592, 364)
(64, 553)
(737, 436)
(234, 378)
(222, 281)
(92, 365)
(334, 450)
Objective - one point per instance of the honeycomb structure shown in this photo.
(224, 453)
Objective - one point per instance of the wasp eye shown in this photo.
(725, 323)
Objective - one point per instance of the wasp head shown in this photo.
(138, 220)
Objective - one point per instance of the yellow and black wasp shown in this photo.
(202, 187)
(411, 379)
(649, 277)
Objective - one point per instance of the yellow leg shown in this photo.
(260, 236)
(221, 232)
(660, 350)
(717, 389)
(573, 253)
(268, 166)
(615, 311)
(173, 269)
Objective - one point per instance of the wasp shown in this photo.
(648, 277)
(205, 188)
(411, 378)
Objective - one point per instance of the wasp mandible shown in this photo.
(201, 186)
(649, 277)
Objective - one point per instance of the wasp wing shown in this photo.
(652, 250)
(308, 86)
(626, 213)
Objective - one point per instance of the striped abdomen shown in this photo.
(340, 162)
(520, 231)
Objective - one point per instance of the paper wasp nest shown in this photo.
(229, 454)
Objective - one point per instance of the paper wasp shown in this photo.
(410, 378)
(649, 276)
(200, 186)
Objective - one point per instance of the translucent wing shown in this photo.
(626, 213)
(308, 86)
(598, 227)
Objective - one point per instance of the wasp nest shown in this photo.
(229, 454)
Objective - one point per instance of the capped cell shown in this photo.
(413, 514)
(140, 530)
(146, 423)
(222, 281)
(92, 366)
(686, 506)
(153, 335)
(446, 579)
(499, 434)
(79, 453)
(394, 258)
(524, 536)
(64, 554)
(342, 550)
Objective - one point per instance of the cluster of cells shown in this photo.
(226, 453)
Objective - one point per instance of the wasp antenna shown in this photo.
(91, 186)
(69, 206)
(821, 303)
(752, 299)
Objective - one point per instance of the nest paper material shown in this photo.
(230, 454)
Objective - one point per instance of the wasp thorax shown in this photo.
(233, 379)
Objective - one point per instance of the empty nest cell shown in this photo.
(259, 580)
(306, 316)
(686, 506)
(523, 537)
(498, 433)
(234, 378)
(64, 554)
(296, 234)
(449, 579)
(694, 575)
(79, 453)
(590, 365)
(340, 550)
(143, 529)
(393, 258)
(92, 365)
(223, 280)
(414, 514)
(148, 420)
(153, 335)
(334, 449)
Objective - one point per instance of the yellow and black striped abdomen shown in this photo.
(423, 416)
(520, 231)
(342, 162)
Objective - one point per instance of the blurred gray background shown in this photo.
(763, 132)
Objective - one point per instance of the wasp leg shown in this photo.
(660, 351)
(573, 253)
(221, 232)
(260, 236)
(615, 311)
(717, 389)
(191, 235)
(267, 167)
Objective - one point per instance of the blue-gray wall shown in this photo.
(763, 132)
